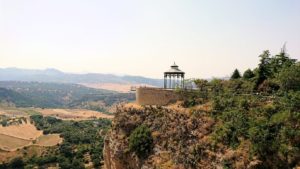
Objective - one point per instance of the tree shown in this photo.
(16, 163)
(203, 87)
(290, 78)
(264, 70)
(248, 74)
(66, 149)
(77, 164)
(141, 141)
(235, 75)
(281, 61)
(201, 84)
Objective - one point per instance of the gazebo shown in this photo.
(174, 78)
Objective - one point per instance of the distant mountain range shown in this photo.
(56, 76)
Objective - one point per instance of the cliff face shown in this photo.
(181, 140)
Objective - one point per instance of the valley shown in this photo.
(45, 124)
(247, 121)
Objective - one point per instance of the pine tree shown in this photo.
(264, 68)
(235, 75)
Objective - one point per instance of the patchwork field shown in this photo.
(15, 137)
(74, 114)
(64, 114)
(31, 150)
(19, 132)
(9, 143)
(122, 88)
(24, 131)
(17, 112)
(49, 140)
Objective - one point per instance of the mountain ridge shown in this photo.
(54, 75)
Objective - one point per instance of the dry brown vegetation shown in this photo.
(64, 114)
(123, 88)
(30, 151)
(49, 140)
(26, 131)
(177, 133)
(74, 114)
(9, 143)
(18, 136)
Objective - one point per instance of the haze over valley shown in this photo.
(160, 84)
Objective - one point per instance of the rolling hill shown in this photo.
(54, 95)
(53, 75)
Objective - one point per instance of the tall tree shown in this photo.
(248, 74)
(281, 61)
(264, 68)
(236, 74)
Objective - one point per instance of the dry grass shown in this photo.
(24, 131)
(74, 114)
(15, 137)
(49, 140)
(133, 105)
(15, 112)
(64, 114)
(30, 151)
(123, 88)
(9, 143)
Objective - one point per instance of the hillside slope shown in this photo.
(249, 122)
(10, 96)
(181, 139)
(54, 95)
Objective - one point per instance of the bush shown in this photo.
(16, 163)
(141, 141)
(264, 139)
(290, 78)
(248, 74)
(235, 125)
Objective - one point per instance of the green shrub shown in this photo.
(289, 78)
(248, 74)
(17, 163)
(141, 141)
(235, 125)
(263, 137)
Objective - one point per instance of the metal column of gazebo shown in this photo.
(174, 78)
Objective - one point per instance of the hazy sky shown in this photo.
(206, 38)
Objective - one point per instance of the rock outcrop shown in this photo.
(182, 139)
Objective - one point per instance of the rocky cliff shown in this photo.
(181, 139)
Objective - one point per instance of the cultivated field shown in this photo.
(49, 140)
(18, 136)
(74, 114)
(25, 131)
(30, 151)
(64, 114)
(20, 133)
(122, 88)
(9, 143)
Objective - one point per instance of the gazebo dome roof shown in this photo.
(174, 70)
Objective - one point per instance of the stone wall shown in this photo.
(155, 96)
